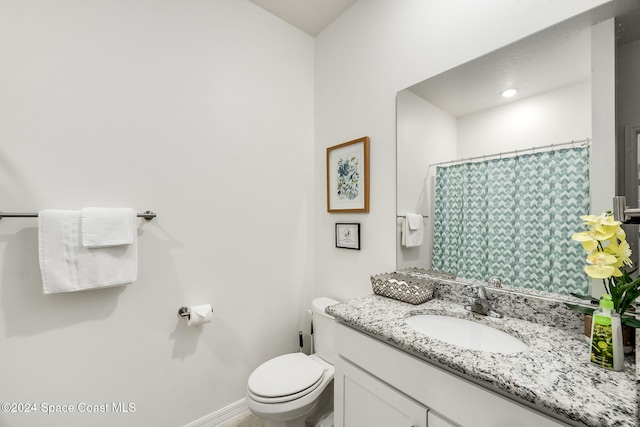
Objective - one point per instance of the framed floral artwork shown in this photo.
(348, 236)
(348, 176)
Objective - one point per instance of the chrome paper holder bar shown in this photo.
(185, 312)
(624, 214)
(148, 215)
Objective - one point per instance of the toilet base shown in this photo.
(322, 414)
(308, 415)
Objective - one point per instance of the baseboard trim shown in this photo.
(221, 415)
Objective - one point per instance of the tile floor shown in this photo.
(244, 420)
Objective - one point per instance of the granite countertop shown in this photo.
(553, 375)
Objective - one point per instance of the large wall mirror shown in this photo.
(578, 85)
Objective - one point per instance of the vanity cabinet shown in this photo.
(377, 385)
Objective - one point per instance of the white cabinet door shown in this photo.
(363, 401)
(433, 420)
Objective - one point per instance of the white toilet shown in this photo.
(283, 391)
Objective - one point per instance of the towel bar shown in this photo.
(148, 215)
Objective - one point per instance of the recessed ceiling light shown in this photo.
(509, 92)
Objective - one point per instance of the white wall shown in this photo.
(201, 111)
(374, 50)
(603, 113)
(425, 135)
(550, 118)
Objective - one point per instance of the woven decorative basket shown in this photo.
(403, 287)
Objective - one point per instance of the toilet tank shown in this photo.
(324, 329)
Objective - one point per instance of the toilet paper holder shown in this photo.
(186, 313)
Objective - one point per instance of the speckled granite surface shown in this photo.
(534, 306)
(553, 374)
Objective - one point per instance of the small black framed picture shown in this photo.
(348, 235)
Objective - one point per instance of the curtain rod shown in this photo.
(585, 142)
(148, 215)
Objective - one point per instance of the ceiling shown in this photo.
(556, 57)
(310, 16)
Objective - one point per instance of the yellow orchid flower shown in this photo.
(600, 265)
(622, 252)
(607, 219)
(582, 236)
(601, 258)
(599, 271)
(589, 242)
(606, 246)
(590, 219)
(603, 232)
(590, 245)
(602, 228)
(604, 219)
(608, 256)
(625, 253)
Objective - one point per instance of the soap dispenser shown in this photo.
(606, 337)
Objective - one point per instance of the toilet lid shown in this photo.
(285, 375)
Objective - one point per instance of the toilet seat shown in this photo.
(285, 378)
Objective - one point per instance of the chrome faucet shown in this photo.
(480, 304)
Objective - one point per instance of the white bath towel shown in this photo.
(412, 230)
(108, 227)
(66, 265)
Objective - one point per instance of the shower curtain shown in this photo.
(513, 218)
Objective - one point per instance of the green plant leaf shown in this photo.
(630, 321)
(626, 292)
(584, 297)
(580, 308)
(626, 286)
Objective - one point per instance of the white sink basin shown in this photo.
(465, 333)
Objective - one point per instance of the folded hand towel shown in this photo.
(412, 230)
(108, 227)
(414, 221)
(68, 266)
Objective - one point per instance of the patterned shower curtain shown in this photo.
(513, 218)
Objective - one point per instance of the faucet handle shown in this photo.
(494, 281)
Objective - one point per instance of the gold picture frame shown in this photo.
(348, 176)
